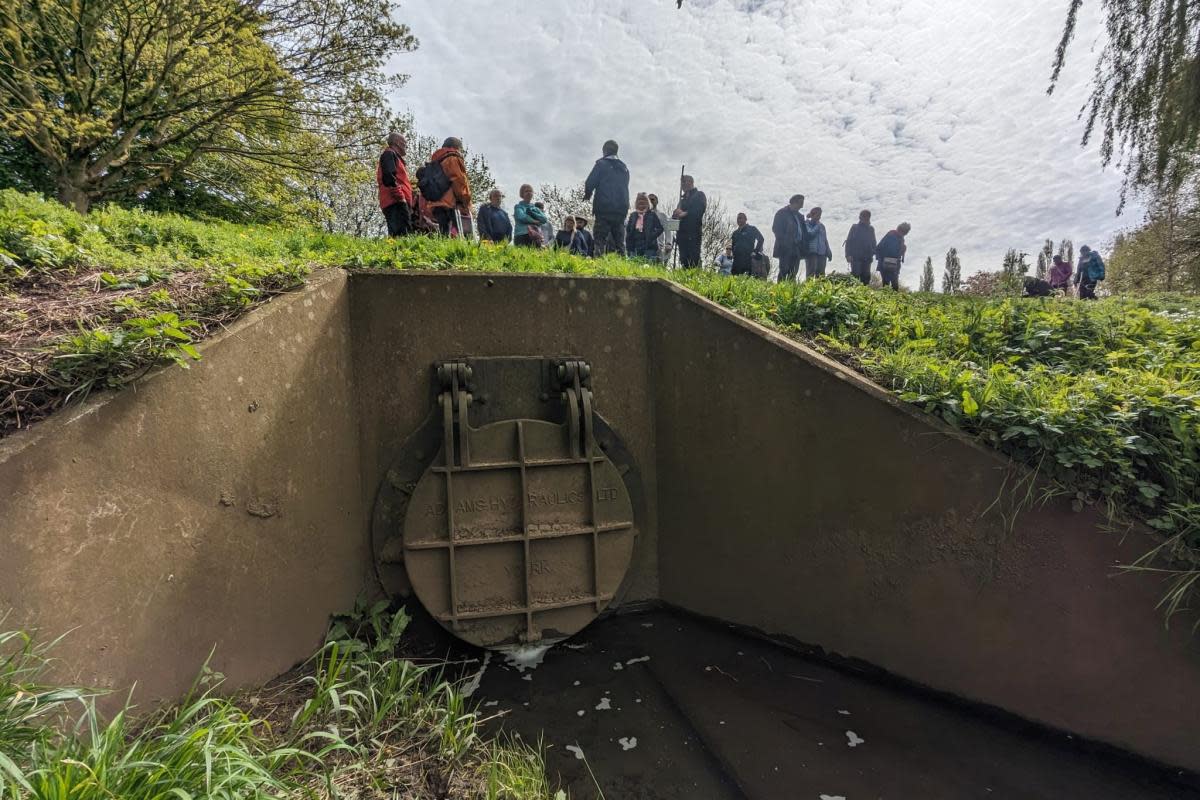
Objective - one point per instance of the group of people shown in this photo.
(1063, 276)
(442, 203)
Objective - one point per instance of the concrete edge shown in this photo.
(839, 371)
(16, 442)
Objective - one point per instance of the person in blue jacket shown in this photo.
(492, 220)
(529, 219)
(890, 255)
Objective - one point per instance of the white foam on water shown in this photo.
(580, 713)
(627, 742)
(843, 712)
(617, 667)
(833, 797)
(604, 705)
(577, 750)
(637, 660)
(472, 686)
(854, 739)
(490, 703)
(527, 656)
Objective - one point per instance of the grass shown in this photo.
(1102, 398)
(358, 723)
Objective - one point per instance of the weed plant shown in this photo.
(361, 724)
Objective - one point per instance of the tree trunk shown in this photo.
(73, 196)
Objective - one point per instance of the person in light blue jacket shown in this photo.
(527, 232)
(819, 251)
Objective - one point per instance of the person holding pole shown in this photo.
(690, 213)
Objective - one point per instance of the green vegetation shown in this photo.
(1102, 398)
(358, 723)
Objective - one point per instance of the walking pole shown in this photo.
(675, 241)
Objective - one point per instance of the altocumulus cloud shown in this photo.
(931, 111)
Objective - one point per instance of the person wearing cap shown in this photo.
(570, 239)
(493, 223)
(581, 225)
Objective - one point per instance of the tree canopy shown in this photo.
(1145, 99)
(233, 99)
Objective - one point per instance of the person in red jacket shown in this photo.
(395, 191)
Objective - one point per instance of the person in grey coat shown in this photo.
(860, 248)
(790, 240)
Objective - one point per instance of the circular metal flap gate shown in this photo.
(521, 530)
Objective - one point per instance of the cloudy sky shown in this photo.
(931, 111)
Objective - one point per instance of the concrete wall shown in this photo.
(215, 506)
(404, 323)
(229, 504)
(797, 498)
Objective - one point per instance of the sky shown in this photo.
(933, 112)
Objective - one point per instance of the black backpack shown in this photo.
(432, 181)
(806, 238)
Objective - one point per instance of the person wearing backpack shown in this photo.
(791, 243)
(890, 254)
(443, 183)
(1089, 273)
(608, 188)
(395, 191)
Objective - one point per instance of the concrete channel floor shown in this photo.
(662, 705)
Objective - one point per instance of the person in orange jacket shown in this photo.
(457, 196)
(395, 190)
